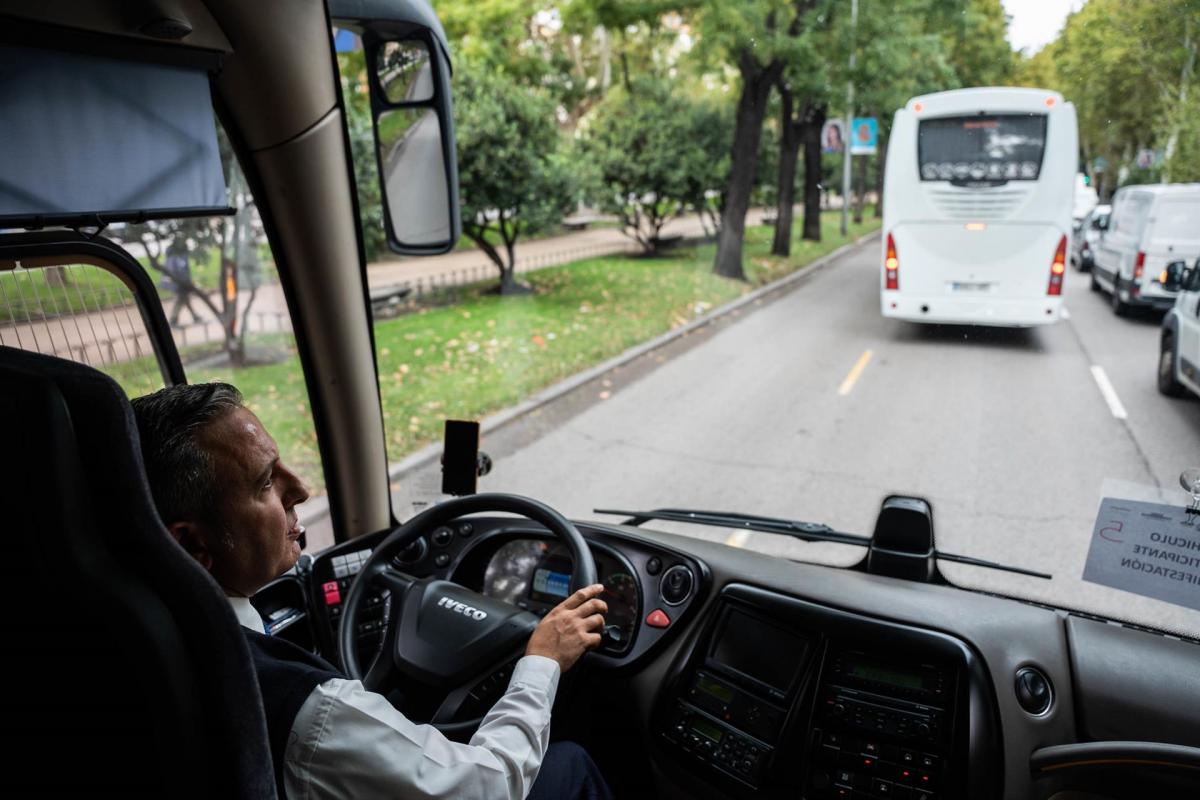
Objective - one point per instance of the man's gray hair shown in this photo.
(181, 473)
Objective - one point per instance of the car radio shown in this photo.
(731, 707)
(718, 743)
(882, 728)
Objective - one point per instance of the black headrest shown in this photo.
(89, 423)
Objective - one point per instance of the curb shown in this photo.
(431, 452)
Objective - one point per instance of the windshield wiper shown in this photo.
(806, 531)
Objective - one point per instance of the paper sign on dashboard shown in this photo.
(1151, 549)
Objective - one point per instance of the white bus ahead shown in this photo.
(977, 203)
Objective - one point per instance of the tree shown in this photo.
(976, 40)
(804, 90)
(1129, 66)
(574, 52)
(758, 39)
(353, 71)
(513, 178)
(228, 236)
(710, 125)
(640, 144)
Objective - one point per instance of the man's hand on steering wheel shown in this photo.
(571, 628)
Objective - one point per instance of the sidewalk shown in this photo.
(117, 334)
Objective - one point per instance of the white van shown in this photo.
(1179, 355)
(1150, 227)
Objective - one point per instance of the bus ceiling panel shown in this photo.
(175, 32)
(279, 80)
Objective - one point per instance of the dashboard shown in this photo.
(535, 574)
(735, 674)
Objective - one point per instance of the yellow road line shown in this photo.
(855, 371)
(737, 538)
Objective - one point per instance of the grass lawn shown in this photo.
(488, 352)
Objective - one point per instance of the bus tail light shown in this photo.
(1057, 267)
(891, 265)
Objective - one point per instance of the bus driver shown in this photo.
(227, 498)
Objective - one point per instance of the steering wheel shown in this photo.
(441, 636)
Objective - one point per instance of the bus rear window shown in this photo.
(994, 147)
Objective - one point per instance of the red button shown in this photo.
(658, 619)
(331, 586)
(333, 598)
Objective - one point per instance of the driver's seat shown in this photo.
(129, 672)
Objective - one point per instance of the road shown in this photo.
(813, 406)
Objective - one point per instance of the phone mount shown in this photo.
(462, 460)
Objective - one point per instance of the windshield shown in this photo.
(985, 147)
(645, 316)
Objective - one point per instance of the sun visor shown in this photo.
(90, 140)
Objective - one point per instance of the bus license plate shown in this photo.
(961, 286)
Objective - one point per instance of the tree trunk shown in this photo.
(56, 276)
(814, 120)
(861, 190)
(789, 150)
(747, 135)
(508, 275)
(879, 178)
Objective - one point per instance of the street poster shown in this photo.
(866, 136)
(833, 135)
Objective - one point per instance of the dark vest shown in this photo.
(287, 675)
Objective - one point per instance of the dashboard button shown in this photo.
(658, 619)
(443, 536)
(654, 565)
(442, 559)
(466, 529)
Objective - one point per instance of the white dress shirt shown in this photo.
(349, 742)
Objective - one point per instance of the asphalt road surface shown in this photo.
(812, 406)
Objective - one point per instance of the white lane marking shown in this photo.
(1064, 313)
(1110, 394)
(855, 371)
(737, 538)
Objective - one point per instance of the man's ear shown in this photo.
(189, 538)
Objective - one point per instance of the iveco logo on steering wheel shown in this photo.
(462, 608)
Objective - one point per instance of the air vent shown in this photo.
(979, 205)
(677, 584)
(1034, 691)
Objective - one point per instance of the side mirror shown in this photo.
(1174, 276)
(408, 73)
(414, 133)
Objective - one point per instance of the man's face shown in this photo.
(253, 536)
